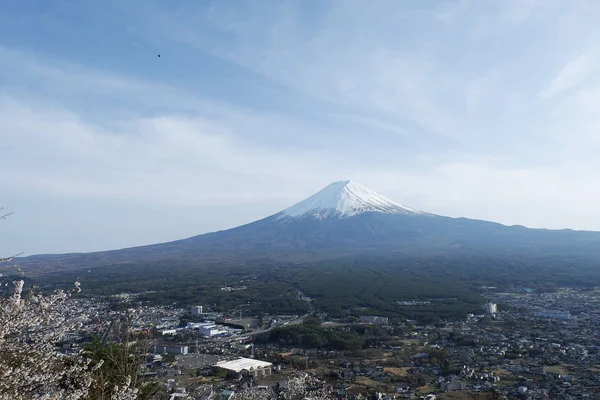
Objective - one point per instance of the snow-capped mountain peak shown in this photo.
(345, 199)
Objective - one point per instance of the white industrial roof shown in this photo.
(243, 363)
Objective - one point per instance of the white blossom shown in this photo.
(32, 368)
(125, 392)
(300, 387)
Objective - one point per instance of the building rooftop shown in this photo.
(243, 364)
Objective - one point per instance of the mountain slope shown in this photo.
(345, 218)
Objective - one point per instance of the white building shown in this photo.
(196, 311)
(491, 308)
(252, 367)
(170, 349)
(211, 330)
(198, 325)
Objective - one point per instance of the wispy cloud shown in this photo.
(396, 64)
(572, 75)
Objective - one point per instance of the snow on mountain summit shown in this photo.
(345, 199)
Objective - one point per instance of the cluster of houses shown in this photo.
(526, 345)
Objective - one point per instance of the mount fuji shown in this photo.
(343, 219)
(345, 199)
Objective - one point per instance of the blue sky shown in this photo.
(463, 108)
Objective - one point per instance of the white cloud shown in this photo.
(170, 159)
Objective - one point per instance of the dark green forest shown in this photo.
(313, 336)
(343, 287)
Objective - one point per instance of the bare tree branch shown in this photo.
(5, 215)
(8, 259)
